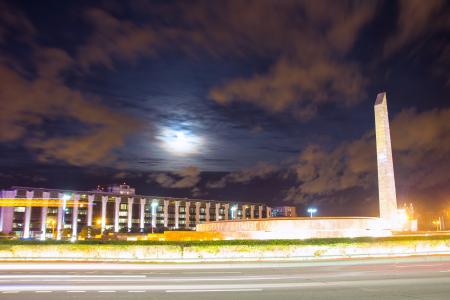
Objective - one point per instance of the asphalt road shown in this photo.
(399, 278)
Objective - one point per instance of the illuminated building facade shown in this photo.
(284, 211)
(31, 212)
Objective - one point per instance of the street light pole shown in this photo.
(311, 211)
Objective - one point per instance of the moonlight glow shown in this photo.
(180, 142)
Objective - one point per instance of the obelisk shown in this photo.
(386, 180)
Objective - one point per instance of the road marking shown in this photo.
(413, 266)
(43, 291)
(445, 271)
(76, 291)
(215, 290)
(70, 276)
(136, 291)
(10, 292)
(212, 272)
(106, 291)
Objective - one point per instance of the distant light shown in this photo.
(66, 197)
(312, 211)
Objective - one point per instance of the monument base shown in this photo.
(298, 228)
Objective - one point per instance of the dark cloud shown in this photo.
(29, 99)
(114, 39)
(313, 68)
(415, 19)
(187, 177)
(260, 170)
(298, 87)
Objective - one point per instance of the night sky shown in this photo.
(265, 101)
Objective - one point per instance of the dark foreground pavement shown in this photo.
(394, 278)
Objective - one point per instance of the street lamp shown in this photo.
(154, 205)
(233, 209)
(312, 211)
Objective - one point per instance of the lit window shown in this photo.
(19, 209)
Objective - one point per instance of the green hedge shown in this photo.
(328, 241)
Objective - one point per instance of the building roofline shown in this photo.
(134, 195)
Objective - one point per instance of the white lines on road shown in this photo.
(77, 291)
(445, 271)
(212, 272)
(214, 290)
(106, 291)
(43, 291)
(136, 291)
(413, 266)
(68, 276)
(10, 292)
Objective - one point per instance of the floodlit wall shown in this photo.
(297, 228)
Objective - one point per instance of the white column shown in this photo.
(60, 217)
(268, 212)
(75, 218)
(104, 203)
(2, 211)
(130, 213)
(197, 213)
(44, 209)
(252, 212)
(154, 213)
(26, 227)
(208, 207)
(7, 213)
(166, 213)
(217, 211)
(116, 213)
(260, 210)
(187, 214)
(244, 212)
(177, 214)
(90, 208)
(2, 215)
(142, 215)
(227, 207)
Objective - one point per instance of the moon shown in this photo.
(180, 142)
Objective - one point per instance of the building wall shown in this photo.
(122, 212)
(298, 228)
(284, 211)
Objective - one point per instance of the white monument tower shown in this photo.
(386, 180)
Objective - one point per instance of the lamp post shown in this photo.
(154, 205)
(311, 211)
(233, 209)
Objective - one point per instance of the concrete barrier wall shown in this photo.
(161, 253)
